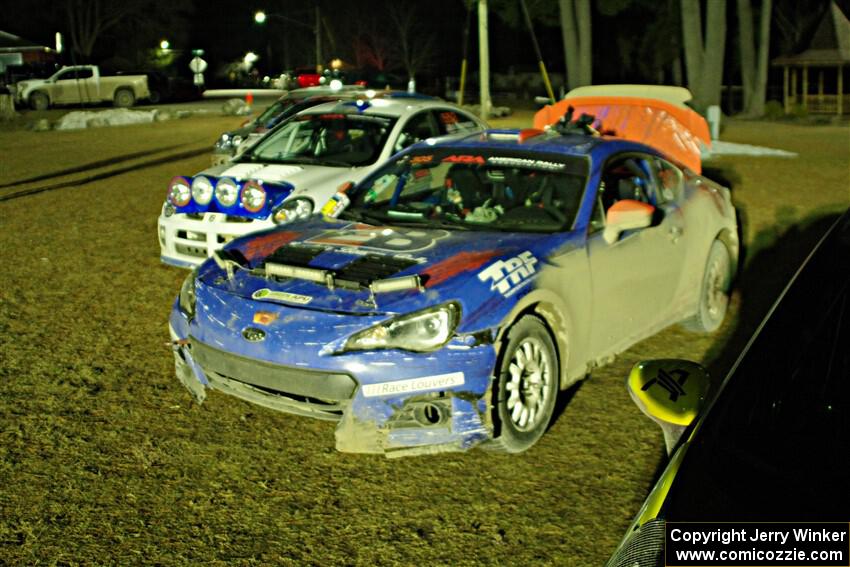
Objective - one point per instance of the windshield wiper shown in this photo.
(321, 161)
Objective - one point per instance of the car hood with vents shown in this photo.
(449, 265)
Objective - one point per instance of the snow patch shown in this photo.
(720, 148)
(114, 117)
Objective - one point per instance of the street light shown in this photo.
(164, 44)
(261, 17)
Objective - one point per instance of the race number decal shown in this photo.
(398, 240)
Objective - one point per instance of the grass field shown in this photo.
(105, 460)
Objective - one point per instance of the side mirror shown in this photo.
(671, 392)
(627, 214)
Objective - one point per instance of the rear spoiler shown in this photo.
(652, 115)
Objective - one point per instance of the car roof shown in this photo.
(382, 106)
(548, 142)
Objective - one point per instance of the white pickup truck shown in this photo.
(81, 84)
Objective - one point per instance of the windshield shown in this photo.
(336, 140)
(483, 189)
(274, 110)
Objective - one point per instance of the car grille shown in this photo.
(195, 251)
(293, 390)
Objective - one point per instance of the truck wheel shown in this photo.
(39, 101)
(155, 97)
(526, 387)
(124, 98)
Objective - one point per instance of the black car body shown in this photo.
(773, 444)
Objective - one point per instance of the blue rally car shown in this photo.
(443, 301)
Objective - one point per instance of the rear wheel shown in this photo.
(714, 292)
(526, 387)
(39, 101)
(124, 98)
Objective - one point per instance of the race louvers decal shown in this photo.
(509, 275)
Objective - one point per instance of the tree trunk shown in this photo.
(576, 32)
(704, 61)
(715, 49)
(756, 107)
(568, 31)
(584, 43)
(754, 66)
(748, 52)
(692, 42)
(7, 107)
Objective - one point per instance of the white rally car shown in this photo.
(295, 168)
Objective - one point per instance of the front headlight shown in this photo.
(293, 210)
(179, 192)
(253, 196)
(202, 190)
(422, 331)
(187, 295)
(226, 191)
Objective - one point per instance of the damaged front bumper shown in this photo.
(413, 413)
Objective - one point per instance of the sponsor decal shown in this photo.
(527, 163)
(266, 294)
(382, 238)
(457, 263)
(509, 275)
(673, 382)
(421, 159)
(464, 159)
(401, 387)
(262, 246)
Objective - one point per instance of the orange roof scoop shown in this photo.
(654, 115)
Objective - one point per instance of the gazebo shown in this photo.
(828, 54)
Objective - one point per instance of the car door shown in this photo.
(75, 85)
(635, 278)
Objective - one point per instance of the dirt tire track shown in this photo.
(107, 174)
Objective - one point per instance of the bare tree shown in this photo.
(88, 20)
(704, 60)
(753, 65)
(414, 44)
(576, 31)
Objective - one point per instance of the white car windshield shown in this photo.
(331, 139)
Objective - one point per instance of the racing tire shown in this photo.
(39, 101)
(526, 387)
(124, 98)
(714, 291)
